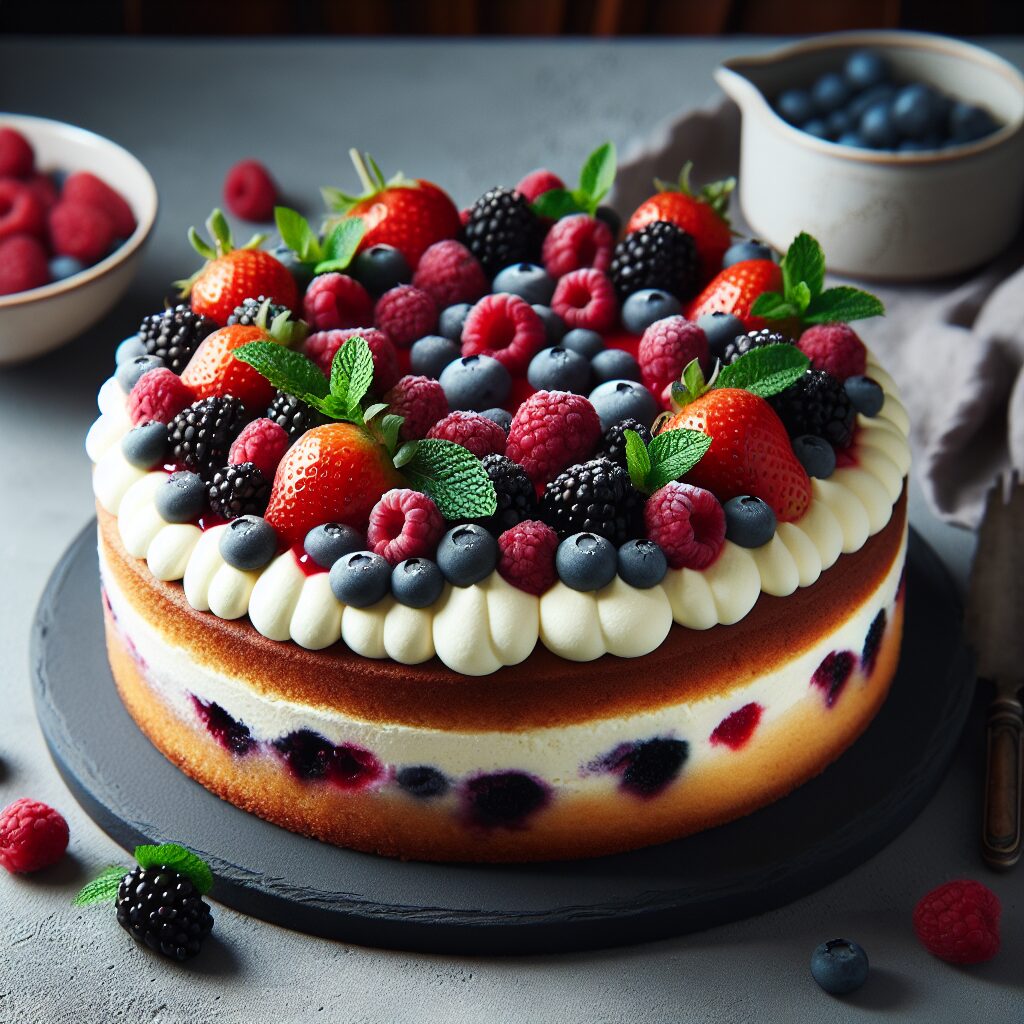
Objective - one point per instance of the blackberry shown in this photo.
(174, 335)
(239, 490)
(517, 498)
(612, 445)
(744, 343)
(817, 404)
(201, 435)
(162, 908)
(293, 414)
(593, 497)
(248, 311)
(502, 230)
(661, 255)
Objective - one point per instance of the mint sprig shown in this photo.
(596, 179)
(450, 475)
(670, 456)
(803, 298)
(334, 253)
(103, 888)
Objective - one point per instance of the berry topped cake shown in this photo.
(509, 535)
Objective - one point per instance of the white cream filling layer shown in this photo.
(477, 630)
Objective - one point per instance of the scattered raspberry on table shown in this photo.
(32, 836)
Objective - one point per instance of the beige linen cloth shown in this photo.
(955, 347)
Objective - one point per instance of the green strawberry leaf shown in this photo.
(178, 859)
(673, 454)
(843, 304)
(772, 306)
(557, 203)
(220, 231)
(297, 234)
(287, 370)
(200, 245)
(102, 889)
(638, 462)
(598, 175)
(453, 477)
(804, 261)
(337, 201)
(344, 239)
(765, 371)
(352, 376)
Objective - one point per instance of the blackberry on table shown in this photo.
(249, 310)
(517, 498)
(593, 497)
(502, 230)
(612, 445)
(293, 414)
(162, 908)
(239, 490)
(817, 404)
(201, 435)
(661, 255)
(174, 335)
(744, 343)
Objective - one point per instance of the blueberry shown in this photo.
(816, 127)
(616, 400)
(839, 123)
(128, 373)
(914, 111)
(642, 564)
(302, 272)
(467, 554)
(720, 329)
(380, 268)
(587, 343)
(642, 308)
(876, 94)
(749, 522)
(816, 455)
(146, 445)
(422, 781)
(248, 542)
(866, 395)
(854, 139)
(653, 764)
(128, 349)
(968, 123)
(746, 249)
(611, 218)
(878, 127)
(327, 543)
(865, 68)
(586, 561)
(360, 579)
(554, 325)
(839, 966)
(526, 280)
(830, 92)
(475, 382)
(430, 355)
(559, 369)
(504, 798)
(417, 582)
(453, 319)
(182, 499)
(614, 364)
(500, 416)
(63, 267)
(795, 105)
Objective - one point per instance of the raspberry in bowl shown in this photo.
(108, 197)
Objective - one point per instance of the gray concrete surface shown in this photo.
(469, 115)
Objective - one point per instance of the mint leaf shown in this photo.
(352, 375)
(287, 370)
(772, 306)
(843, 304)
(177, 858)
(297, 234)
(598, 175)
(102, 889)
(373, 410)
(804, 261)
(673, 454)
(556, 203)
(389, 428)
(765, 371)
(344, 239)
(453, 477)
(404, 454)
(638, 462)
(801, 296)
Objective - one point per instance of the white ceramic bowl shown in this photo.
(39, 320)
(887, 216)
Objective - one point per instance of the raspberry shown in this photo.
(322, 346)
(687, 523)
(404, 524)
(528, 556)
(250, 192)
(22, 264)
(959, 922)
(32, 836)
(473, 431)
(577, 242)
(449, 273)
(16, 156)
(85, 232)
(421, 401)
(336, 300)
(42, 187)
(262, 442)
(552, 430)
(405, 314)
(537, 182)
(585, 298)
(505, 327)
(85, 188)
(666, 347)
(835, 348)
(21, 213)
(158, 395)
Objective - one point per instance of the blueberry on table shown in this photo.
(146, 445)
(587, 343)
(614, 364)
(643, 308)
(467, 554)
(528, 281)
(839, 966)
(559, 369)
(554, 325)
(380, 268)
(720, 328)
(182, 498)
(749, 521)
(417, 582)
(360, 579)
(452, 320)
(816, 455)
(865, 68)
(745, 249)
(586, 561)
(128, 373)
(130, 348)
(326, 543)
(642, 563)
(914, 111)
(248, 542)
(616, 400)
(866, 395)
(475, 383)
(795, 105)
(878, 127)
(830, 92)
(430, 355)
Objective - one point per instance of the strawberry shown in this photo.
(334, 473)
(702, 215)
(232, 275)
(409, 214)
(736, 289)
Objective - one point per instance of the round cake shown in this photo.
(524, 544)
